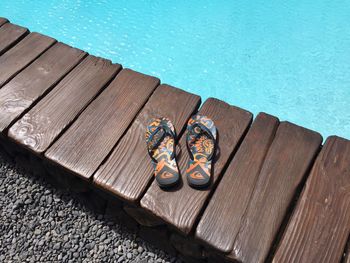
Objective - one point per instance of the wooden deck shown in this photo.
(278, 194)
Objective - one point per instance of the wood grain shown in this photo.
(10, 34)
(288, 160)
(34, 81)
(233, 194)
(38, 128)
(129, 182)
(180, 207)
(3, 21)
(320, 225)
(22, 54)
(92, 137)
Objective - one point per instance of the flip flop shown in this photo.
(160, 139)
(201, 144)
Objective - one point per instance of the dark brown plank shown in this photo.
(10, 34)
(288, 160)
(22, 54)
(130, 181)
(35, 80)
(38, 128)
(3, 21)
(91, 138)
(181, 207)
(232, 195)
(320, 225)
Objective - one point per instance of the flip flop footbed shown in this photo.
(201, 142)
(165, 167)
(161, 146)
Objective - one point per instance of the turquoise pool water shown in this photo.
(288, 58)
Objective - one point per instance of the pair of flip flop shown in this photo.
(201, 144)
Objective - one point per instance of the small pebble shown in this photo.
(103, 237)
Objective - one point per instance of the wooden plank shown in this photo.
(34, 81)
(10, 34)
(22, 54)
(347, 257)
(129, 182)
(91, 138)
(3, 21)
(287, 162)
(320, 224)
(180, 207)
(233, 194)
(38, 128)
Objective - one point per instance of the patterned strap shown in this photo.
(191, 137)
(153, 144)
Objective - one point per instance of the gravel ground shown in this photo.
(40, 223)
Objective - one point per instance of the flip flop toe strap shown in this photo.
(156, 138)
(194, 131)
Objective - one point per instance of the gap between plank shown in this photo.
(36, 101)
(82, 110)
(346, 252)
(218, 180)
(123, 134)
(290, 209)
(15, 42)
(256, 180)
(177, 153)
(31, 62)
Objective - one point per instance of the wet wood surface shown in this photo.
(130, 181)
(233, 194)
(181, 206)
(91, 138)
(38, 128)
(287, 162)
(34, 81)
(10, 34)
(320, 225)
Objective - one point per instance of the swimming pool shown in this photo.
(288, 58)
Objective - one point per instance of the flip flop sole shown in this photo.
(201, 145)
(161, 148)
